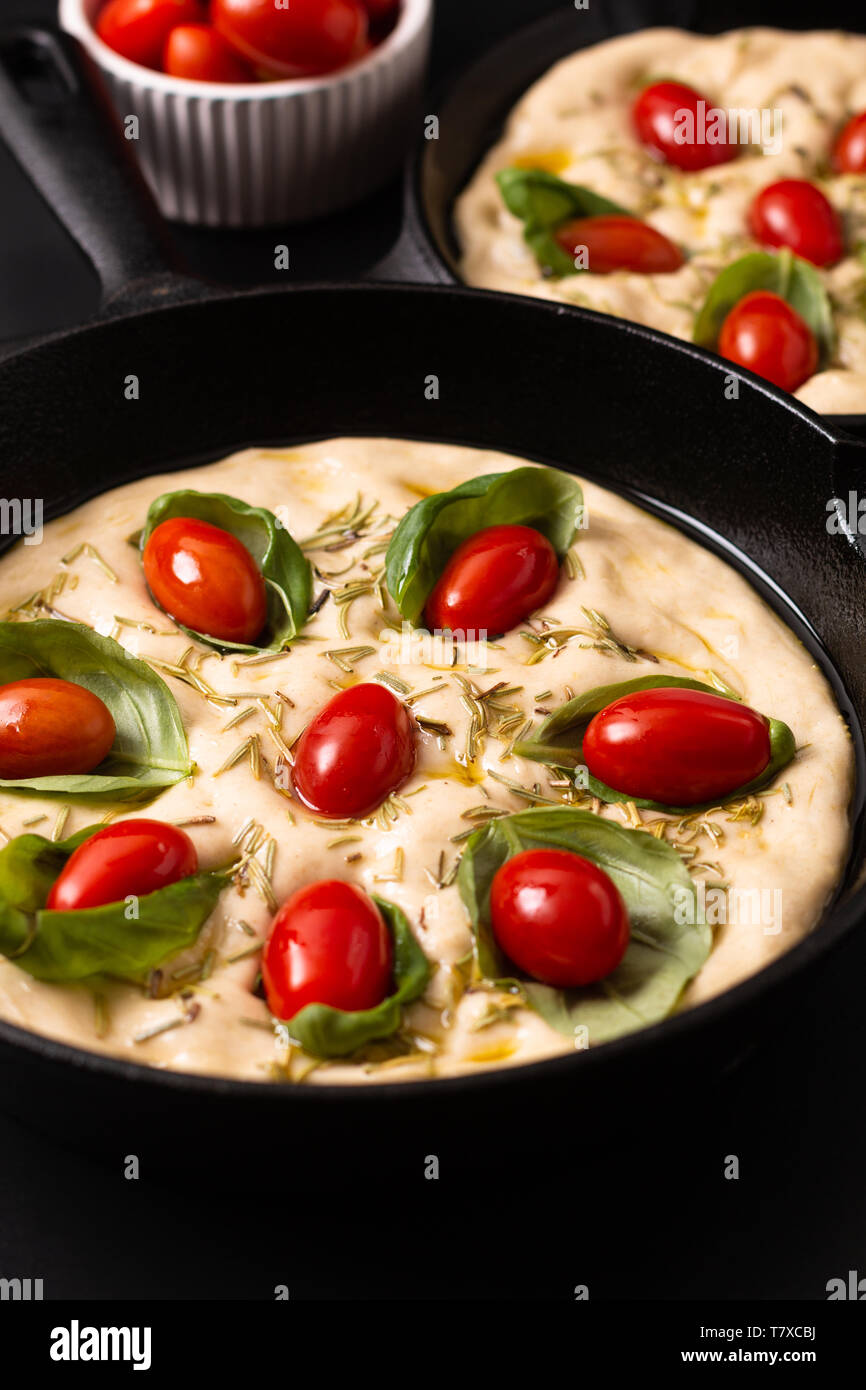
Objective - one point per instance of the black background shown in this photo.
(647, 1215)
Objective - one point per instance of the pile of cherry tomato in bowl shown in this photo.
(245, 40)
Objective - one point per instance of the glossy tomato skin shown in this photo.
(764, 333)
(138, 29)
(614, 242)
(676, 746)
(198, 53)
(205, 579)
(794, 213)
(51, 727)
(655, 116)
(849, 151)
(128, 858)
(493, 580)
(355, 752)
(306, 38)
(559, 917)
(328, 945)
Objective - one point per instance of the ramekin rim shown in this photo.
(413, 17)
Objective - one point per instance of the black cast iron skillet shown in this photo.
(749, 478)
(474, 110)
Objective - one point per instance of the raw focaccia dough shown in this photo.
(576, 121)
(658, 590)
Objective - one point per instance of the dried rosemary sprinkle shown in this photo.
(86, 548)
(143, 626)
(463, 835)
(147, 1033)
(483, 812)
(389, 812)
(34, 820)
(343, 657)
(241, 834)
(395, 683)
(252, 870)
(396, 874)
(238, 718)
(602, 638)
(346, 596)
(245, 953)
(263, 659)
(526, 793)
(60, 822)
(751, 808)
(431, 690)
(188, 972)
(251, 749)
(433, 726)
(343, 840)
(574, 565)
(192, 678)
(195, 820)
(342, 527)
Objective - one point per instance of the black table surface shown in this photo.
(654, 1219)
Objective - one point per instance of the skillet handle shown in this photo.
(67, 142)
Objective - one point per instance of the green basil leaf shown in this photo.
(558, 742)
(669, 941)
(430, 532)
(326, 1032)
(283, 565)
(150, 750)
(795, 280)
(543, 202)
(66, 946)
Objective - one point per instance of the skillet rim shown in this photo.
(838, 920)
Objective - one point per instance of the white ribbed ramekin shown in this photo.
(243, 155)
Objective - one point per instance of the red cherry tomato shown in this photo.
(795, 213)
(667, 109)
(849, 151)
(328, 945)
(356, 751)
(302, 39)
(559, 917)
(766, 335)
(676, 746)
(198, 53)
(493, 580)
(50, 727)
(129, 858)
(138, 29)
(205, 579)
(619, 243)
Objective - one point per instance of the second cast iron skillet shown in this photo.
(476, 106)
(749, 477)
